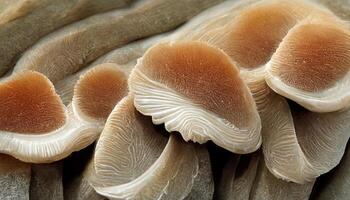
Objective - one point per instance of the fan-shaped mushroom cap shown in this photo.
(255, 32)
(133, 160)
(29, 104)
(196, 90)
(311, 65)
(35, 125)
(98, 91)
(251, 35)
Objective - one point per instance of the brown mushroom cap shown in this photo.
(193, 77)
(311, 65)
(253, 35)
(203, 74)
(29, 104)
(99, 90)
(313, 57)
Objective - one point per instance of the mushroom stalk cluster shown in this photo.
(265, 81)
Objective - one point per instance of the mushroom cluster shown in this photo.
(247, 100)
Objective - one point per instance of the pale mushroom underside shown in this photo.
(133, 160)
(180, 114)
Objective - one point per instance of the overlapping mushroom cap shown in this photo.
(134, 160)
(311, 65)
(35, 125)
(195, 89)
(247, 38)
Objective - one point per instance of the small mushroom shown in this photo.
(135, 160)
(196, 90)
(35, 125)
(98, 90)
(311, 65)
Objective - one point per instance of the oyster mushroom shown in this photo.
(35, 125)
(24, 22)
(134, 160)
(277, 123)
(196, 90)
(251, 44)
(311, 65)
(251, 33)
(72, 47)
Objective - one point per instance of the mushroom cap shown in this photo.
(252, 36)
(311, 65)
(37, 127)
(98, 91)
(133, 159)
(29, 104)
(196, 90)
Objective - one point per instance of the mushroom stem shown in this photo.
(14, 178)
(46, 182)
